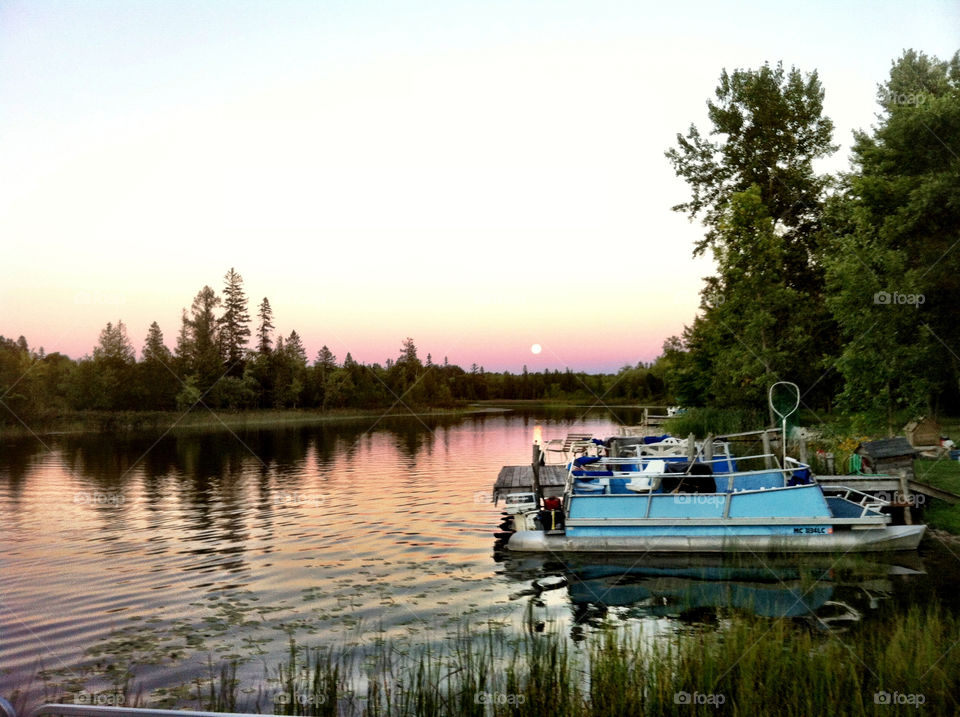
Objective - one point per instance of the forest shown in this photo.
(846, 284)
(211, 366)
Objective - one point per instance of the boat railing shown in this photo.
(866, 501)
(71, 710)
(607, 463)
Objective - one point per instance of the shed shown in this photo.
(923, 431)
(888, 455)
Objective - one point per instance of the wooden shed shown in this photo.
(890, 456)
(923, 431)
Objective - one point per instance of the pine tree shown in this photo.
(114, 360)
(114, 346)
(204, 335)
(153, 348)
(265, 314)
(157, 384)
(234, 324)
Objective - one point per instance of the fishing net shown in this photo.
(784, 401)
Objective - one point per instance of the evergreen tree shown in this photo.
(265, 314)
(157, 383)
(204, 339)
(323, 377)
(234, 324)
(114, 360)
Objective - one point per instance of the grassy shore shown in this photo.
(110, 421)
(744, 666)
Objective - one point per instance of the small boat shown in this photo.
(670, 504)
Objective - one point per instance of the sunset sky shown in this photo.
(479, 176)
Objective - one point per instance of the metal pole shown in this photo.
(536, 472)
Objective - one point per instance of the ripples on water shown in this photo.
(159, 554)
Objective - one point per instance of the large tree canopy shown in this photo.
(754, 187)
(893, 256)
(770, 128)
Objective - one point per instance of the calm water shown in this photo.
(156, 554)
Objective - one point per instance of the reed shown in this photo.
(747, 665)
(715, 421)
(742, 665)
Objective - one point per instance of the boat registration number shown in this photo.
(813, 530)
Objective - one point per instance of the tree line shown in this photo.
(224, 359)
(847, 285)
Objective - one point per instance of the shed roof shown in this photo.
(922, 421)
(886, 448)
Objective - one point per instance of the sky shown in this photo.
(481, 177)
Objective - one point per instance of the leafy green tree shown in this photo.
(763, 315)
(17, 405)
(773, 129)
(892, 264)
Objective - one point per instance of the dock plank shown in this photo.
(519, 479)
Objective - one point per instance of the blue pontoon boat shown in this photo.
(669, 504)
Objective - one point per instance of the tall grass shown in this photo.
(746, 666)
(715, 421)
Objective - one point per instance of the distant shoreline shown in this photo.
(126, 421)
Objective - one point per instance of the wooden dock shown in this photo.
(892, 485)
(519, 479)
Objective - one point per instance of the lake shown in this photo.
(139, 560)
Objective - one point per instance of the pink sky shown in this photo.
(479, 177)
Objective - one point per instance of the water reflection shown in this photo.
(828, 592)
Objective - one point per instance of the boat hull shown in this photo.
(891, 537)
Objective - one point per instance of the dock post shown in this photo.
(768, 460)
(830, 464)
(803, 449)
(905, 497)
(536, 472)
(691, 448)
(708, 448)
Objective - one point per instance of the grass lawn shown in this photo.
(944, 474)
